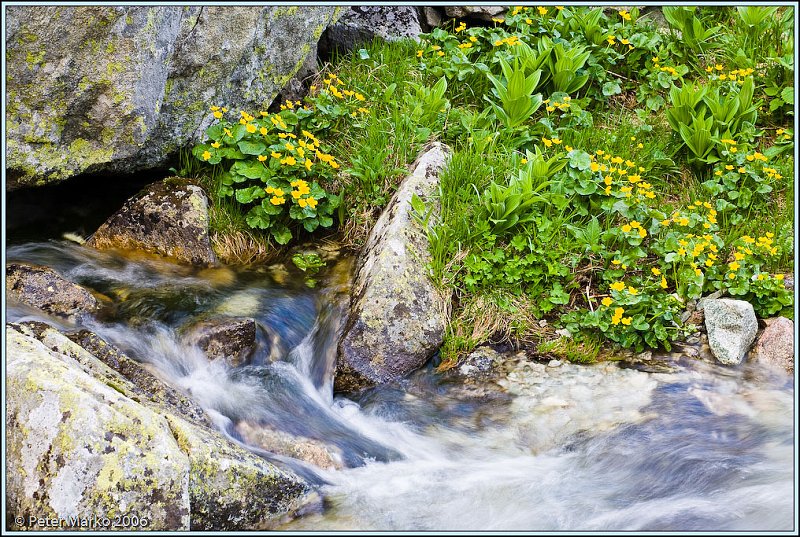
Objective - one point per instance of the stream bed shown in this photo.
(602, 447)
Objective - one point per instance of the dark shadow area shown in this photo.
(78, 205)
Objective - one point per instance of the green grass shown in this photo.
(558, 259)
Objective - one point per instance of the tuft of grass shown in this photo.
(583, 352)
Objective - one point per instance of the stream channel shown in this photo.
(695, 447)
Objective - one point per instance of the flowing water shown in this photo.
(600, 447)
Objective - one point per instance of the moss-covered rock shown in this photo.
(86, 439)
(168, 218)
(120, 88)
(78, 447)
(43, 288)
(397, 317)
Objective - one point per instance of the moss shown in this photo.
(128, 20)
(34, 59)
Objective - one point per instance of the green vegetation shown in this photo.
(604, 172)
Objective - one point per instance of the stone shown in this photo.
(168, 218)
(230, 488)
(361, 24)
(731, 327)
(480, 364)
(232, 339)
(122, 88)
(79, 447)
(475, 12)
(45, 289)
(83, 440)
(775, 345)
(397, 317)
(282, 443)
(431, 16)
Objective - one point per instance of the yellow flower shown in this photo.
(547, 143)
(227, 132)
(655, 271)
(542, 10)
(731, 275)
(617, 286)
(302, 202)
(308, 164)
(215, 145)
(734, 266)
(218, 114)
(632, 290)
(594, 166)
(627, 320)
(440, 53)
(250, 128)
(419, 54)
(626, 228)
(289, 146)
(290, 161)
(206, 155)
(615, 320)
(263, 131)
(465, 45)
(261, 158)
(663, 282)
(296, 194)
(311, 202)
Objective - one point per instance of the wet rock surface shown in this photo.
(282, 443)
(231, 339)
(46, 290)
(84, 439)
(397, 317)
(168, 218)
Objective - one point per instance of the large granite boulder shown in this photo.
(85, 441)
(731, 327)
(168, 218)
(121, 88)
(397, 317)
(359, 25)
(775, 345)
(45, 289)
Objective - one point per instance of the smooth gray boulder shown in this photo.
(775, 345)
(397, 317)
(83, 440)
(731, 327)
(122, 88)
(359, 25)
(168, 218)
(45, 289)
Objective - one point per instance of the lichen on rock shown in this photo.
(168, 218)
(397, 317)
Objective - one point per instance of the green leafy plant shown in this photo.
(273, 168)
(515, 92)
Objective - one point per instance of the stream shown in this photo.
(603, 447)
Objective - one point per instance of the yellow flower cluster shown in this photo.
(644, 190)
(217, 111)
(303, 190)
(549, 142)
(634, 225)
(510, 41)
(735, 75)
(625, 15)
(550, 107)
(665, 68)
(277, 195)
(617, 317)
(786, 135)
